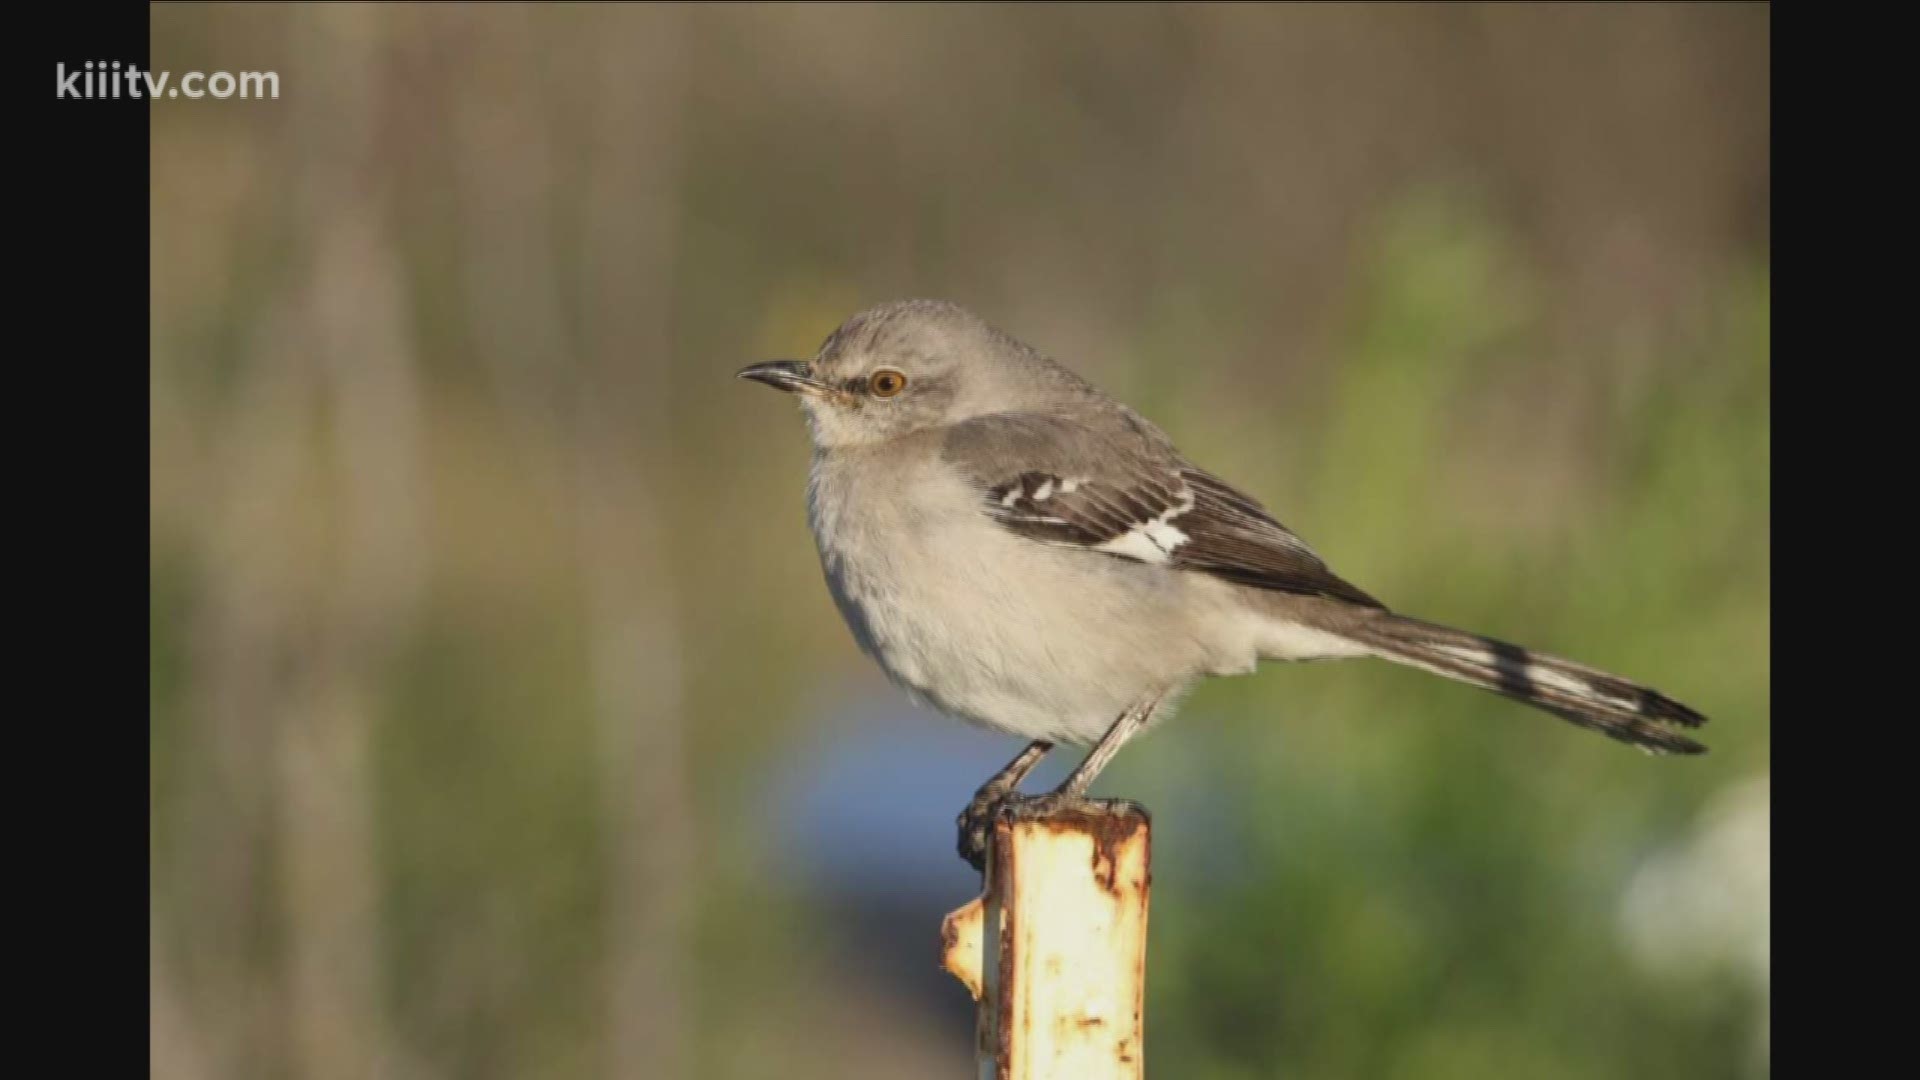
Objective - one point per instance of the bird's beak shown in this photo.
(793, 376)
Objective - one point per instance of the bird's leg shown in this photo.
(1130, 722)
(977, 818)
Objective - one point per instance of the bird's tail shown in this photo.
(1585, 696)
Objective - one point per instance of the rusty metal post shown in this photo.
(1055, 949)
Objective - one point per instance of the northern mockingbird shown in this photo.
(1025, 553)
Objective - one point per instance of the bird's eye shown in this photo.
(886, 382)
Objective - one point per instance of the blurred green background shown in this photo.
(501, 725)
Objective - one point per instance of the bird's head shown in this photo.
(910, 366)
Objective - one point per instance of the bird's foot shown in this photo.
(976, 821)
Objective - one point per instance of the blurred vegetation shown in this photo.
(486, 630)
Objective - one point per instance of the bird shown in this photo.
(1024, 553)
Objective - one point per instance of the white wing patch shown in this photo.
(1153, 541)
(1044, 506)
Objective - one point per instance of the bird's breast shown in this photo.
(1016, 635)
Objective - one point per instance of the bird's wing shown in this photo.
(1113, 485)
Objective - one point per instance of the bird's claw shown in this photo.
(975, 825)
(976, 821)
